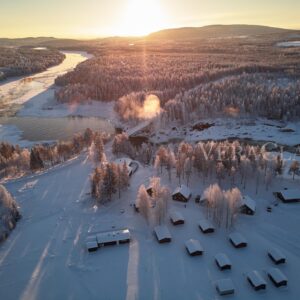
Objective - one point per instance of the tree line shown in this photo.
(17, 161)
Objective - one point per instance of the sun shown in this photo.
(141, 17)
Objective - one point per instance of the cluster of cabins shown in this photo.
(225, 286)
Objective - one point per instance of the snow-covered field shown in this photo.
(45, 256)
(286, 133)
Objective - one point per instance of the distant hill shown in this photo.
(215, 31)
(28, 41)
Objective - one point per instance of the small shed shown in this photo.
(91, 243)
(277, 277)
(113, 237)
(182, 193)
(277, 256)
(256, 280)
(162, 234)
(237, 240)
(176, 218)
(225, 286)
(193, 247)
(289, 195)
(206, 226)
(248, 206)
(223, 261)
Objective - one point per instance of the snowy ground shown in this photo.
(256, 129)
(45, 256)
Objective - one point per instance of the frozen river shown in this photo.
(29, 111)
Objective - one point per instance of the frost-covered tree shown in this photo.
(9, 213)
(143, 202)
(294, 167)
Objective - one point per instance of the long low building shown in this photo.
(113, 237)
(289, 195)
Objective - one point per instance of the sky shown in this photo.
(99, 18)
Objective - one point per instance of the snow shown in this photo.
(249, 202)
(193, 246)
(256, 279)
(176, 216)
(45, 257)
(237, 239)
(225, 286)
(162, 232)
(290, 195)
(289, 44)
(183, 190)
(222, 260)
(258, 129)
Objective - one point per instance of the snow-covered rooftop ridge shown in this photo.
(290, 194)
(222, 260)
(277, 275)
(237, 238)
(249, 202)
(256, 278)
(113, 236)
(176, 216)
(276, 254)
(162, 232)
(225, 286)
(184, 190)
(205, 224)
(193, 246)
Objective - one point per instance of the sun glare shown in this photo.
(141, 17)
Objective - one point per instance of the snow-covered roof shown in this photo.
(249, 202)
(237, 238)
(183, 190)
(205, 225)
(225, 286)
(276, 254)
(277, 275)
(113, 236)
(256, 278)
(290, 194)
(120, 161)
(222, 260)
(176, 216)
(91, 245)
(162, 232)
(193, 246)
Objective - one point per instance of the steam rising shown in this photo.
(138, 106)
(151, 108)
